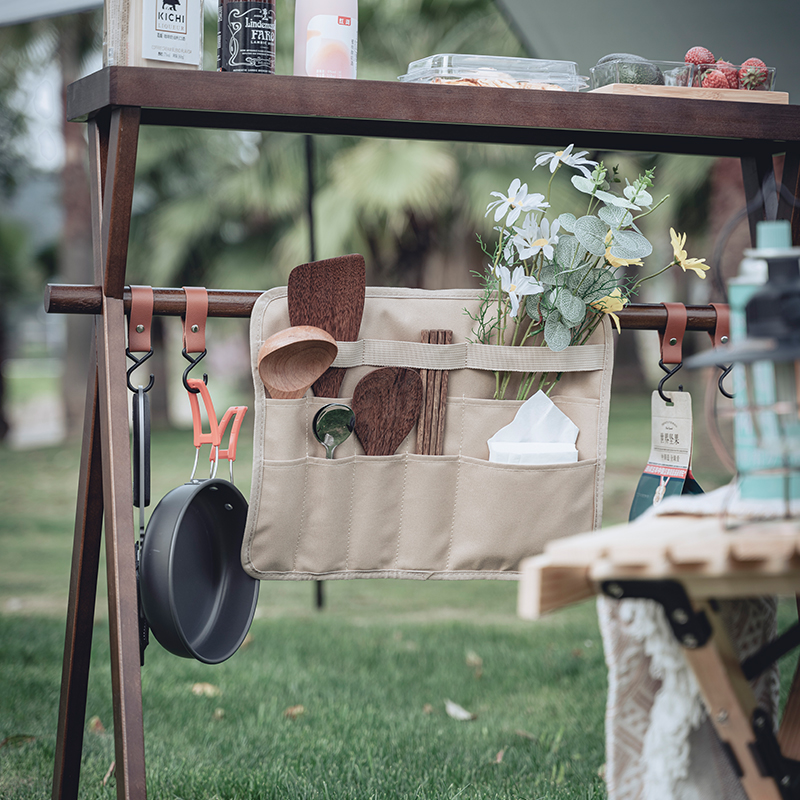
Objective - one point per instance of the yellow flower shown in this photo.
(697, 265)
(611, 303)
(614, 262)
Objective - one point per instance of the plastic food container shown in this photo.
(651, 73)
(496, 71)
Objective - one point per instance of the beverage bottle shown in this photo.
(246, 36)
(153, 33)
(326, 38)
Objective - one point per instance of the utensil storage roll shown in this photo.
(406, 515)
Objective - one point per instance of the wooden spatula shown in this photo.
(386, 404)
(329, 294)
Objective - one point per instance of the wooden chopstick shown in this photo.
(430, 427)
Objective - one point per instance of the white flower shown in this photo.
(566, 156)
(532, 238)
(515, 202)
(516, 285)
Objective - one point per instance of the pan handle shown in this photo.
(235, 413)
(216, 431)
(194, 388)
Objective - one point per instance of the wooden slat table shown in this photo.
(687, 563)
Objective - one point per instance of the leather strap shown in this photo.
(672, 337)
(194, 321)
(722, 331)
(141, 319)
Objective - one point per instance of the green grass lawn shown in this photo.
(372, 671)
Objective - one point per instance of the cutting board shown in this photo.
(694, 93)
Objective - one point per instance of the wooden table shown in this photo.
(115, 101)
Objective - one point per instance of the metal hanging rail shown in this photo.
(76, 299)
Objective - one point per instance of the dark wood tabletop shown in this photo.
(245, 101)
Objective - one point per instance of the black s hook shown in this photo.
(670, 373)
(724, 374)
(193, 362)
(136, 363)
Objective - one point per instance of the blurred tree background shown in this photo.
(230, 210)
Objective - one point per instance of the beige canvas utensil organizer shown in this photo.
(454, 516)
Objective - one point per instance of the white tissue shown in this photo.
(539, 434)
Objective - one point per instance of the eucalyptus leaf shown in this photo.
(591, 233)
(641, 198)
(597, 283)
(567, 221)
(533, 306)
(630, 245)
(548, 275)
(615, 200)
(583, 184)
(566, 251)
(616, 217)
(572, 308)
(556, 334)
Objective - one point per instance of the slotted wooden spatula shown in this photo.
(329, 294)
(386, 404)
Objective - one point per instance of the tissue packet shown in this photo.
(540, 433)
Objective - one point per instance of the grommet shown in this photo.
(140, 329)
(195, 328)
(673, 341)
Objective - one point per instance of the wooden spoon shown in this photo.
(292, 359)
(329, 294)
(386, 403)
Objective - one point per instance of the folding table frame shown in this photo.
(115, 101)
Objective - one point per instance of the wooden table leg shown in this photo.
(81, 607)
(120, 554)
(730, 702)
(789, 199)
(761, 190)
(114, 144)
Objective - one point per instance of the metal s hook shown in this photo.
(193, 362)
(719, 338)
(136, 363)
(139, 329)
(723, 375)
(670, 373)
(671, 341)
(194, 332)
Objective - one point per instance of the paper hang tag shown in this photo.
(668, 471)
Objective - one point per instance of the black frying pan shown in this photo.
(197, 599)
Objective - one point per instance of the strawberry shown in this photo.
(730, 72)
(699, 55)
(715, 79)
(752, 73)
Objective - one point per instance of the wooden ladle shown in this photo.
(292, 359)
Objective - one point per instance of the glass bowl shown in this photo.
(651, 73)
(764, 74)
